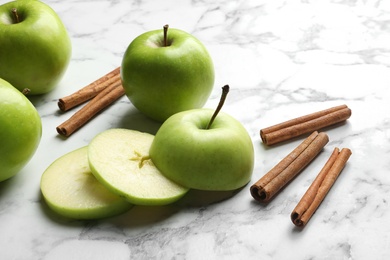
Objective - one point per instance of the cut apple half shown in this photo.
(70, 189)
(119, 159)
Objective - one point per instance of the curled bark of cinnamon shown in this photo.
(320, 187)
(304, 124)
(98, 103)
(89, 91)
(282, 173)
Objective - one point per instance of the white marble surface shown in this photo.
(281, 59)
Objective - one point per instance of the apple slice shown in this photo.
(70, 189)
(119, 159)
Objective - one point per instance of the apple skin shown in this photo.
(35, 52)
(220, 158)
(20, 130)
(161, 81)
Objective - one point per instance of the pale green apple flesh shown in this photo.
(119, 159)
(162, 80)
(35, 48)
(219, 158)
(70, 189)
(20, 130)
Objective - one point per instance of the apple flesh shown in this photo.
(220, 158)
(119, 159)
(69, 189)
(35, 48)
(161, 80)
(20, 130)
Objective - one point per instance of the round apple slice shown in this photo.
(70, 189)
(119, 159)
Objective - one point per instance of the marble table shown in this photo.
(281, 59)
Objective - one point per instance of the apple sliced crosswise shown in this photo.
(119, 159)
(70, 189)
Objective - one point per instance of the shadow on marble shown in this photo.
(40, 100)
(56, 218)
(199, 198)
(139, 215)
(6, 187)
(135, 120)
(194, 200)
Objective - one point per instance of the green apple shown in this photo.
(119, 159)
(69, 189)
(35, 48)
(20, 130)
(204, 154)
(167, 72)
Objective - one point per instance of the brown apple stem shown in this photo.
(166, 35)
(26, 91)
(15, 14)
(225, 91)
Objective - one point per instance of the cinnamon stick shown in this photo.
(89, 91)
(304, 124)
(282, 173)
(98, 103)
(320, 187)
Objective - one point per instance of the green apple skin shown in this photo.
(34, 52)
(163, 80)
(220, 158)
(20, 130)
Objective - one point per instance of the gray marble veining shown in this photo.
(281, 59)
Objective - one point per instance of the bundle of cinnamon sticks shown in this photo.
(101, 93)
(289, 167)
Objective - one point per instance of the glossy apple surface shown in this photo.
(35, 48)
(163, 80)
(20, 130)
(218, 158)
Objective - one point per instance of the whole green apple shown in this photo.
(167, 72)
(35, 48)
(20, 130)
(218, 158)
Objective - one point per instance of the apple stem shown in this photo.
(225, 91)
(166, 35)
(16, 16)
(26, 91)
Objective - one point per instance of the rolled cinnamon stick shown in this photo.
(282, 173)
(320, 187)
(89, 91)
(98, 103)
(304, 124)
